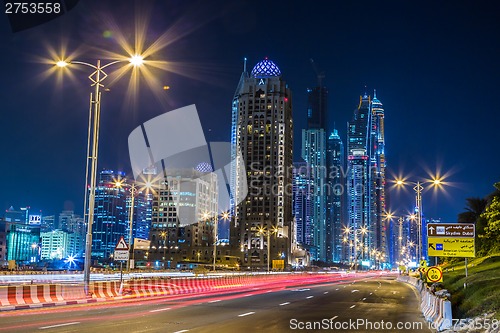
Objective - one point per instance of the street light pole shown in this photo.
(215, 238)
(133, 191)
(400, 237)
(418, 189)
(97, 77)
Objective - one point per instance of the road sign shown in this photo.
(451, 247)
(423, 263)
(278, 264)
(121, 250)
(451, 240)
(453, 230)
(434, 274)
(423, 270)
(121, 245)
(121, 255)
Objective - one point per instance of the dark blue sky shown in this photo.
(435, 67)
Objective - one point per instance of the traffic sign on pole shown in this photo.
(451, 240)
(121, 250)
(434, 274)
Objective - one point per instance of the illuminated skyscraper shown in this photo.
(336, 203)
(262, 131)
(110, 214)
(314, 153)
(366, 178)
(378, 178)
(302, 205)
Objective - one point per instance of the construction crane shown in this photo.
(319, 75)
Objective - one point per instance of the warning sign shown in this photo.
(121, 250)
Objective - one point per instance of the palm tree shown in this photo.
(473, 209)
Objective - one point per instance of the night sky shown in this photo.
(435, 66)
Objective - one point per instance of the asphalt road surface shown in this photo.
(376, 304)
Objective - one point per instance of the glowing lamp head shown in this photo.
(400, 182)
(62, 63)
(118, 184)
(136, 60)
(436, 182)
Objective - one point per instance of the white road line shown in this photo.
(309, 297)
(334, 317)
(59, 325)
(181, 331)
(215, 301)
(286, 303)
(364, 298)
(353, 306)
(337, 289)
(355, 290)
(326, 292)
(371, 293)
(158, 310)
(246, 314)
(247, 295)
(269, 291)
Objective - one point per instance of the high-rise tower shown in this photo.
(336, 202)
(110, 214)
(262, 131)
(378, 177)
(366, 181)
(314, 153)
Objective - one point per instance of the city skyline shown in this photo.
(45, 132)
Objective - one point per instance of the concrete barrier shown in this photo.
(436, 310)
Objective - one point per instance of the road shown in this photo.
(356, 305)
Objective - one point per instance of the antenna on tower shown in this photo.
(245, 64)
(374, 93)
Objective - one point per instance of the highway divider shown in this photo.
(435, 307)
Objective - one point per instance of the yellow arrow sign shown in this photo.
(451, 247)
(434, 274)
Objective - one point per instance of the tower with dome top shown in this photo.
(262, 130)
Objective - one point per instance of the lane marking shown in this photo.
(286, 303)
(59, 325)
(181, 331)
(158, 310)
(247, 295)
(352, 306)
(309, 297)
(326, 292)
(269, 291)
(364, 298)
(355, 290)
(337, 289)
(217, 300)
(371, 293)
(334, 317)
(246, 314)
